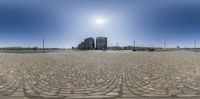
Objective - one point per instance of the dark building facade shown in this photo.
(101, 43)
(81, 46)
(89, 43)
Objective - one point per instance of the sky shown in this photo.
(65, 23)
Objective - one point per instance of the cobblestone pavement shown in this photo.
(99, 75)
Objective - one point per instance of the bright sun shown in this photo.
(100, 21)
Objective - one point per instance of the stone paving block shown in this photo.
(128, 95)
(112, 94)
(90, 97)
(18, 93)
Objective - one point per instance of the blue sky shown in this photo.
(65, 23)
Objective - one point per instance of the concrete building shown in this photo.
(89, 43)
(81, 46)
(101, 43)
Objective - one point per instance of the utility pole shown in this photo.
(43, 43)
(134, 43)
(63, 47)
(195, 42)
(117, 44)
(165, 44)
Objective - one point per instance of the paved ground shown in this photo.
(10, 97)
(99, 74)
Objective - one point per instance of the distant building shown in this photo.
(81, 46)
(101, 43)
(89, 43)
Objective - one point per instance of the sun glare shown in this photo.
(100, 21)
